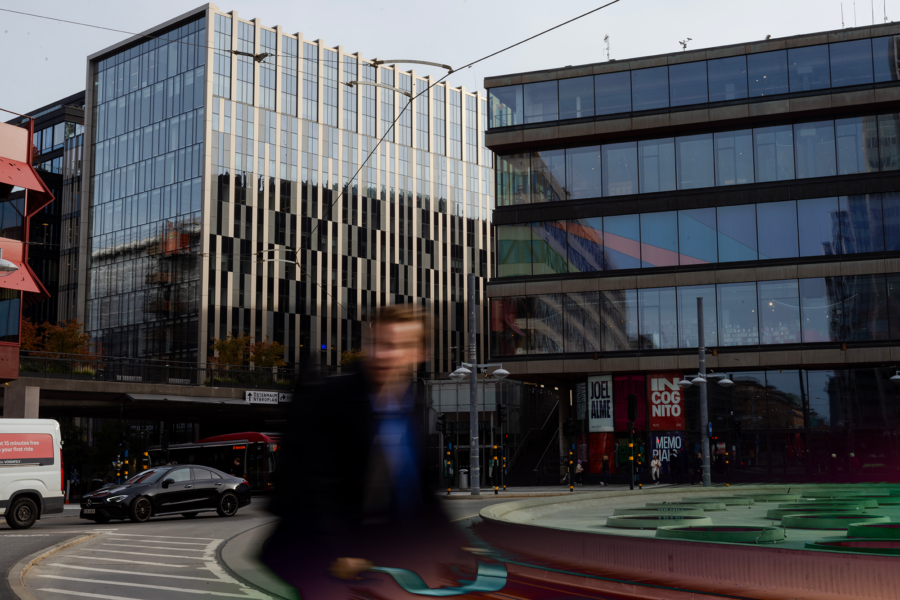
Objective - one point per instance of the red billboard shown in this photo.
(601, 444)
(666, 402)
(28, 448)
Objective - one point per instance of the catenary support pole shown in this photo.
(474, 460)
(704, 409)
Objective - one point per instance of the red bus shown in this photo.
(258, 453)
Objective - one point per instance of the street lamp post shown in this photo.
(704, 407)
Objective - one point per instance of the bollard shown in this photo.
(496, 490)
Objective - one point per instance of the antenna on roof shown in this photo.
(606, 39)
(842, 15)
(684, 44)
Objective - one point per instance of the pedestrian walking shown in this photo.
(579, 474)
(654, 470)
(605, 468)
(698, 469)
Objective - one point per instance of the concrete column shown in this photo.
(21, 401)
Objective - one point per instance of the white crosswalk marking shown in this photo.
(132, 573)
(143, 554)
(143, 585)
(129, 561)
(154, 547)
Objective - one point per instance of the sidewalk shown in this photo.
(544, 490)
(239, 557)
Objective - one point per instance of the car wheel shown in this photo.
(22, 514)
(227, 505)
(101, 520)
(140, 510)
(189, 515)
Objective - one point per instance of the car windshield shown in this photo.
(151, 476)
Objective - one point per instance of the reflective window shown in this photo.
(857, 145)
(179, 475)
(809, 68)
(582, 322)
(513, 177)
(622, 242)
(774, 153)
(776, 227)
(657, 165)
(820, 309)
(865, 308)
(738, 322)
(697, 236)
(779, 312)
(510, 334)
(784, 405)
(548, 175)
(884, 55)
(851, 63)
(659, 235)
(889, 141)
(736, 228)
(650, 88)
(576, 98)
(612, 93)
(893, 292)
(768, 73)
(727, 78)
(546, 324)
(890, 203)
(687, 315)
(734, 157)
(862, 225)
(687, 84)
(620, 176)
(541, 104)
(694, 154)
(202, 473)
(514, 250)
(583, 173)
(819, 227)
(585, 238)
(658, 318)
(506, 106)
(620, 320)
(814, 145)
(548, 247)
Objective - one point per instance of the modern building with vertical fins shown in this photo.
(218, 148)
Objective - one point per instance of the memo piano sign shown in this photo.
(666, 402)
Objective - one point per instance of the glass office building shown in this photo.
(221, 199)
(761, 177)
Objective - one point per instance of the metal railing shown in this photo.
(155, 371)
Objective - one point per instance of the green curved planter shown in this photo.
(775, 497)
(844, 493)
(726, 500)
(881, 531)
(836, 502)
(670, 510)
(655, 521)
(879, 500)
(829, 520)
(858, 546)
(778, 513)
(737, 534)
(703, 505)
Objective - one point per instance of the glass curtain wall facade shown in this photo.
(279, 185)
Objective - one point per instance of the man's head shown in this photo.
(237, 462)
(399, 343)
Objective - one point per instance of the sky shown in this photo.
(50, 57)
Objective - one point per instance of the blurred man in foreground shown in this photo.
(353, 489)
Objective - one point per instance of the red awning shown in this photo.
(19, 174)
(23, 279)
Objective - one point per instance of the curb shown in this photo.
(237, 576)
(16, 577)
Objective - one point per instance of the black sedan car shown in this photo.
(185, 490)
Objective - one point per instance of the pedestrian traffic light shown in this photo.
(632, 407)
(502, 411)
(441, 424)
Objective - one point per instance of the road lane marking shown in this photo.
(125, 560)
(85, 594)
(132, 573)
(249, 592)
(155, 547)
(141, 585)
(144, 554)
(114, 536)
(167, 537)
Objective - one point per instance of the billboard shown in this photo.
(29, 448)
(666, 402)
(600, 404)
(663, 444)
(601, 444)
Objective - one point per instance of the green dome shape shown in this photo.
(836, 502)
(778, 513)
(654, 521)
(880, 500)
(735, 534)
(703, 505)
(775, 497)
(669, 510)
(829, 520)
(844, 493)
(726, 500)
(857, 546)
(881, 531)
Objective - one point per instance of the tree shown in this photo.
(232, 351)
(67, 338)
(30, 337)
(351, 357)
(267, 354)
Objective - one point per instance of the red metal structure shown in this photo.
(22, 195)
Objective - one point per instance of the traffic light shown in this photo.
(441, 424)
(632, 407)
(570, 427)
(502, 411)
(737, 428)
(145, 461)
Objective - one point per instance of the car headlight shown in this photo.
(117, 498)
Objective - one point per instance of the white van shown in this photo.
(31, 470)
